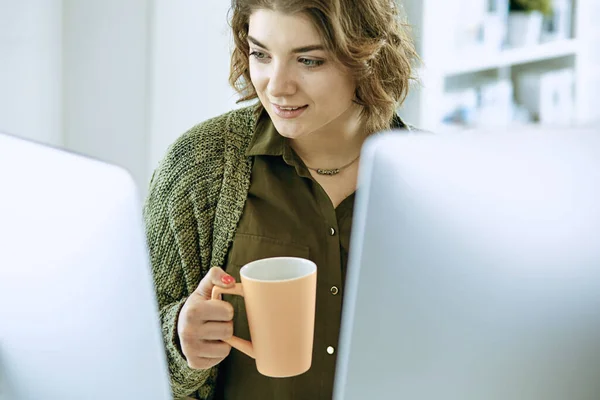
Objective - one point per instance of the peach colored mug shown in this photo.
(280, 296)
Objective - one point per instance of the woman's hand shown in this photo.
(204, 323)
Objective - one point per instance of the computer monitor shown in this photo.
(475, 269)
(78, 315)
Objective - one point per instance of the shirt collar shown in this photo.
(266, 141)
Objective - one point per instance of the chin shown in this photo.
(290, 133)
(287, 130)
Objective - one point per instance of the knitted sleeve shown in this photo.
(178, 218)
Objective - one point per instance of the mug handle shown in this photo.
(242, 345)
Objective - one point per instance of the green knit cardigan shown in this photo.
(195, 200)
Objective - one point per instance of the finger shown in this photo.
(213, 349)
(217, 331)
(198, 313)
(215, 277)
(203, 362)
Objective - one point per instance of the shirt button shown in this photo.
(330, 350)
(332, 231)
(334, 290)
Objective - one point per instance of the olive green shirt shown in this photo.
(195, 202)
(287, 213)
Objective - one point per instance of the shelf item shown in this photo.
(548, 95)
(489, 103)
(510, 57)
(524, 28)
(558, 26)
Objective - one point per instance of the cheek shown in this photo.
(258, 78)
(335, 91)
(345, 87)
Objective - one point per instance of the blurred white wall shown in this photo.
(105, 75)
(190, 68)
(589, 62)
(116, 80)
(30, 69)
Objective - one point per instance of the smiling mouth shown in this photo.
(288, 112)
(289, 108)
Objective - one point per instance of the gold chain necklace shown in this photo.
(333, 171)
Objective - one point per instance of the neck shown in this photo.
(335, 144)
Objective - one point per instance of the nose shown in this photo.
(282, 82)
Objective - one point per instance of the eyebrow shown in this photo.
(303, 49)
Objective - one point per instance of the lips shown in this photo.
(288, 111)
(288, 108)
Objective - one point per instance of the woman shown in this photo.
(273, 179)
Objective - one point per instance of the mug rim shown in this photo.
(304, 260)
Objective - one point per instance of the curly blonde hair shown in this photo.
(365, 36)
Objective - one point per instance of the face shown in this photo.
(297, 81)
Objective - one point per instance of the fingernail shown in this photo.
(227, 279)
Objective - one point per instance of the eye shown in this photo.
(310, 62)
(259, 55)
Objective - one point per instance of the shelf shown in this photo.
(485, 61)
(510, 127)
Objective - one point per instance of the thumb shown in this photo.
(215, 277)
